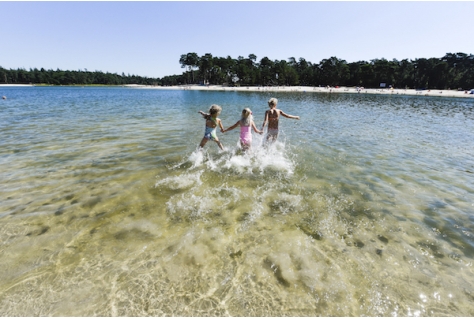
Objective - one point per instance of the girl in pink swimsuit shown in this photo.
(246, 124)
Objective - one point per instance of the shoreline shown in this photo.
(301, 89)
(308, 89)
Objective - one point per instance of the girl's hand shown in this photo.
(222, 131)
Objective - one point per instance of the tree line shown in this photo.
(80, 77)
(452, 71)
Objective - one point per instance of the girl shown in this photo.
(246, 124)
(271, 117)
(211, 124)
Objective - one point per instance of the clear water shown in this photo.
(364, 207)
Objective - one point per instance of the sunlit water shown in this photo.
(364, 207)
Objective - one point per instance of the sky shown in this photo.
(147, 38)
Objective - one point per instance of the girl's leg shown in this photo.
(245, 146)
(271, 138)
(203, 142)
(268, 140)
(220, 144)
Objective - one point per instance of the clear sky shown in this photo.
(148, 38)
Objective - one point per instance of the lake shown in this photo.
(364, 207)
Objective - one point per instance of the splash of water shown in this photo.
(260, 159)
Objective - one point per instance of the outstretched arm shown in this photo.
(289, 116)
(204, 115)
(232, 127)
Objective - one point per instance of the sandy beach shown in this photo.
(303, 89)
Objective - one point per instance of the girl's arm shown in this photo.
(204, 115)
(232, 127)
(265, 120)
(255, 128)
(220, 125)
(289, 116)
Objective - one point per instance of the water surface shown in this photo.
(364, 207)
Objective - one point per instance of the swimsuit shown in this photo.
(245, 135)
(210, 132)
(273, 117)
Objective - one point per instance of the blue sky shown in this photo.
(148, 38)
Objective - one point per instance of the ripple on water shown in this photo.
(362, 208)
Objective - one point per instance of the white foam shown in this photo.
(197, 158)
(181, 181)
(240, 163)
(258, 159)
(273, 156)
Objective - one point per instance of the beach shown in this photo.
(303, 89)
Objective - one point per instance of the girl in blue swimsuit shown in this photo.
(211, 125)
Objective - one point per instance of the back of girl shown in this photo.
(211, 124)
(246, 124)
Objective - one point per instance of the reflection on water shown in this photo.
(362, 208)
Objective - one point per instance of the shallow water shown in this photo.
(364, 207)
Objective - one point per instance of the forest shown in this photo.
(452, 71)
(80, 77)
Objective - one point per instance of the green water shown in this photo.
(364, 207)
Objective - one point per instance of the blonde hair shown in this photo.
(247, 117)
(272, 102)
(215, 109)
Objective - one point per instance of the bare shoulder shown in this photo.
(277, 112)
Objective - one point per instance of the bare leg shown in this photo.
(271, 138)
(203, 142)
(245, 147)
(220, 144)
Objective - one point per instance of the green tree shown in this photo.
(355, 73)
(305, 72)
(3, 75)
(267, 76)
(191, 60)
(404, 74)
(384, 71)
(205, 66)
(245, 70)
(367, 75)
(284, 74)
(334, 71)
